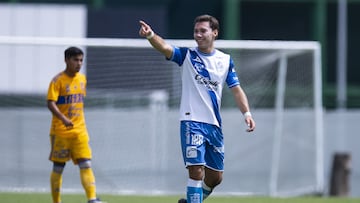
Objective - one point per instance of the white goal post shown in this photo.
(131, 109)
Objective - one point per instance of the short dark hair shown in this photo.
(213, 22)
(73, 51)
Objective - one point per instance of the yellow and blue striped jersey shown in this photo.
(68, 93)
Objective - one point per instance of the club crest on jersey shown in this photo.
(67, 88)
(219, 66)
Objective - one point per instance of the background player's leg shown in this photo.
(56, 181)
(87, 178)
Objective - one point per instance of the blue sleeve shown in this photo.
(232, 78)
(179, 54)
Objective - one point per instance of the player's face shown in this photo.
(74, 63)
(204, 36)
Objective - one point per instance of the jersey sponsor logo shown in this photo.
(70, 99)
(209, 84)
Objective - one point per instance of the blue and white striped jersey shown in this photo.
(203, 77)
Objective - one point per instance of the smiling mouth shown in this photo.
(199, 40)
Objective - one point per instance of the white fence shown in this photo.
(146, 158)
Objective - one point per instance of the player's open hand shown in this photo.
(145, 29)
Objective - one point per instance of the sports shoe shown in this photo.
(97, 200)
(182, 200)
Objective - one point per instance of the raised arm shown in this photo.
(243, 104)
(155, 40)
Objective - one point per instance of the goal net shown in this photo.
(131, 110)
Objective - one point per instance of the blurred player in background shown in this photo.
(68, 134)
(204, 71)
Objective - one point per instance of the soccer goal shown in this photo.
(132, 116)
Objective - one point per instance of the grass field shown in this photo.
(74, 198)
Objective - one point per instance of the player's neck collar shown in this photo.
(205, 53)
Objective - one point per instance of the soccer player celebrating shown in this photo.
(68, 134)
(204, 71)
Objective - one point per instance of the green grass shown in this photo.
(79, 198)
